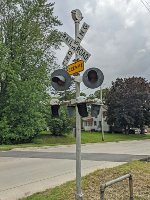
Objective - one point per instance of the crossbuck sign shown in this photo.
(74, 45)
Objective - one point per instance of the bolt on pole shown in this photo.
(79, 194)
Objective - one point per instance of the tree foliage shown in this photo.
(97, 94)
(128, 103)
(104, 93)
(62, 125)
(28, 38)
(68, 95)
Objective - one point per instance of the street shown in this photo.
(26, 171)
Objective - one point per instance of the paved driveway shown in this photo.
(25, 171)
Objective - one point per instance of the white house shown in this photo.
(93, 123)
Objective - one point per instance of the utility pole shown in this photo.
(77, 17)
(102, 120)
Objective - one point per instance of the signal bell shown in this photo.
(93, 78)
(55, 105)
(60, 80)
(82, 108)
(55, 110)
(95, 110)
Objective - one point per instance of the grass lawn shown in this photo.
(94, 137)
(91, 184)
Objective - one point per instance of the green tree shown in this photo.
(28, 38)
(128, 103)
(62, 125)
(105, 91)
(97, 94)
(68, 95)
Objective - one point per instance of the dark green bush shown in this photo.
(62, 125)
(56, 127)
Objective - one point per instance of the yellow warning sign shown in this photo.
(75, 67)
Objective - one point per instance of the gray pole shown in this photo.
(102, 120)
(79, 195)
(78, 137)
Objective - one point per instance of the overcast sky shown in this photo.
(118, 38)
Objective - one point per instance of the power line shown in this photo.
(145, 5)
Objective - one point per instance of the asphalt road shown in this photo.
(25, 171)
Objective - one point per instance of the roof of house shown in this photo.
(88, 119)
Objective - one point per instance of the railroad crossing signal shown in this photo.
(93, 78)
(60, 80)
(55, 105)
(74, 45)
(95, 110)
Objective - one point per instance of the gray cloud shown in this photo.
(118, 38)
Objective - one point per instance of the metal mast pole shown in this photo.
(79, 195)
(78, 136)
(102, 121)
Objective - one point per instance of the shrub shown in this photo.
(56, 126)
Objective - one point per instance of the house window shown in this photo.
(85, 123)
(95, 123)
(90, 123)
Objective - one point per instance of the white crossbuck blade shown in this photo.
(74, 45)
